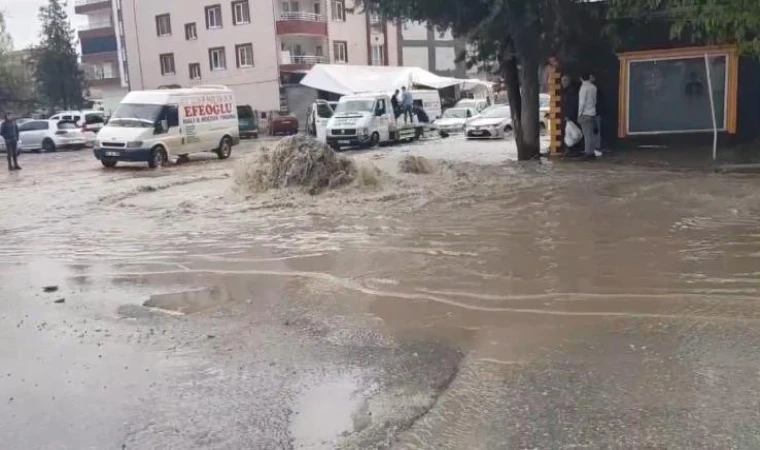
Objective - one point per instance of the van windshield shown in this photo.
(354, 106)
(135, 115)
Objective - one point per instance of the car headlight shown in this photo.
(134, 144)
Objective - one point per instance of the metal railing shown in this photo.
(306, 59)
(89, 2)
(96, 25)
(378, 62)
(100, 74)
(305, 16)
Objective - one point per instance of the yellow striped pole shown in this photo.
(555, 111)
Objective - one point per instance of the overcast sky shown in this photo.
(21, 18)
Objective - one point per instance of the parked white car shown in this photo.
(454, 120)
(91, 122)
(50, 136)
(478, 104)
(493, 124)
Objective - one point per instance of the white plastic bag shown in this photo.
(573, 133)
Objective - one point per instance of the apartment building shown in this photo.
(102, 54)
(431, 49)
(260, 49)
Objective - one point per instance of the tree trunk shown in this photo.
(530, 117)
(527, 50)
(512, 80)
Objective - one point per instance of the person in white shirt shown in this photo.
(587, 114)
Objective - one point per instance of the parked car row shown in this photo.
(477, 120)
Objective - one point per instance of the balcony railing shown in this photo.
(304, 59)
(99, 75)
(378, 62)
(89, 2)
(96, 25)
(305, 16)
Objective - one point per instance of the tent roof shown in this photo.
(344, 79)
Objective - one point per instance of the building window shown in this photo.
(318, 8)
(217, 58)
(290, 7)
(191, 32)
(319, 51)
(339, 10)
(167, 64)
(378, 55)
(164, 25)
(340, 51)
(214, 16)
(195, 71)
(241, 12)
(244, 54)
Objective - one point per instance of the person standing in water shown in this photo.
(9, 132)
(587, 115)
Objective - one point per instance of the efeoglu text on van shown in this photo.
(151, 126)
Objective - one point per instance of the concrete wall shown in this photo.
(353, 31)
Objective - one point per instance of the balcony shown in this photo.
(88, 6)
(300, 63)
(302, 23)
(101, 75)
(101, 28)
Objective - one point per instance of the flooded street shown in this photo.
(488, 305)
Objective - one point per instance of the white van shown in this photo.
(150, 126)
(320, 113)
(429, 100)
(368, 120)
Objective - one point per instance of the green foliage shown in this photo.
(14, 90)
(711, 21)
(60, 80)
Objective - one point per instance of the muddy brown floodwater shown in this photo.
(486, 305)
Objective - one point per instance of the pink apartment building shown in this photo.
(259, 48)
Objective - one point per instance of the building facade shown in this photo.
(102, 53)
(260, 49)
(430, 49)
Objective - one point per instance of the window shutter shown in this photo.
(208, 24)
(237, 55)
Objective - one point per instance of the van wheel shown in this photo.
(48, 146)
(158, 158)
(375, 140)
(225, 149)
(109, 163)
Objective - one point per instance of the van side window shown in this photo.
(172, 116)
(380, 108)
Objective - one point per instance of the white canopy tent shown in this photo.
(345, 79)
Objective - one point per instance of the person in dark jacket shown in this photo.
(569, 110)
(9, 132)
(394, 104)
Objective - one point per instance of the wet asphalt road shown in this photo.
(491, 305)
